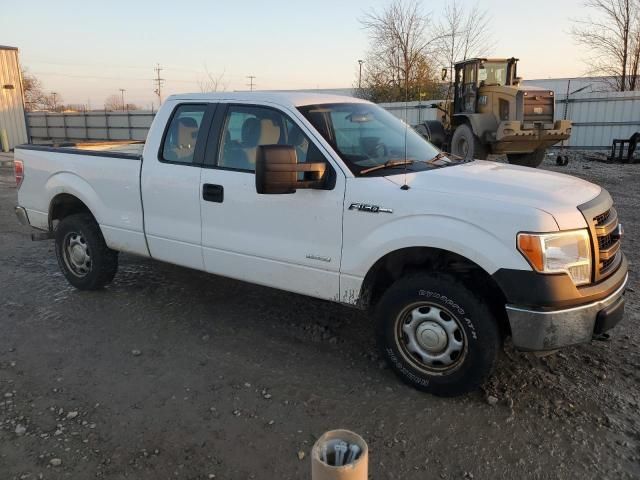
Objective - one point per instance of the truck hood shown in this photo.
(554, 193)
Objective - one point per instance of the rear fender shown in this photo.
(72, 184)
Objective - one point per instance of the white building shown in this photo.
(12, 120)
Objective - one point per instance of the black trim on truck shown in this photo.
(79, 151)
(527, 288)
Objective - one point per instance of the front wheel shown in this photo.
(83, 256)
(533, 159)
(465, 144)
(436, 334)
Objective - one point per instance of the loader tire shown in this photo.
(466, 144)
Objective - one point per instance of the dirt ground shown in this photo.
(171, 373)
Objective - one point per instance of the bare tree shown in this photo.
(113, 103)
(613, 36)
(462, 34)
(52, 101)
(212, 83)
(34, 96)
(397, 65)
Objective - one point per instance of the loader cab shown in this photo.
(473, 74)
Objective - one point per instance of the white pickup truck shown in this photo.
(333, 197)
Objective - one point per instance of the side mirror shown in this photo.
(444, 74)
(277, 170)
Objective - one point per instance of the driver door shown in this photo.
(290, 241)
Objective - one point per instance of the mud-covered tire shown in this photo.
(425, 296)
(533, 159)
(465, 144)
(83, 256)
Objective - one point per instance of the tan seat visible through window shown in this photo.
(255, 132)
(186, 135)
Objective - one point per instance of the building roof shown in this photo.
(4, 47)
(289, 99)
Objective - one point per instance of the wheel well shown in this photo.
(458, 120)
(64, 205)
(396, 264)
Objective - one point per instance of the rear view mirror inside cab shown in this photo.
(360, 117)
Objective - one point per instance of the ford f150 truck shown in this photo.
(334, 198)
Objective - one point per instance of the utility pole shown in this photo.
(251, 84)
(122, 90)
(54, 95)
(158, 81)
(360, 75)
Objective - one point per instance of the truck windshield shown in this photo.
(371, 141)
(493, 73)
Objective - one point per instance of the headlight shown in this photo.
(568, 252)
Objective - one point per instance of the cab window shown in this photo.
(182, 134)
(246, 128)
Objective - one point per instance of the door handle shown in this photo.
(212, 193)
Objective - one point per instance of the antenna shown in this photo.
(405, 186)
(159, 82)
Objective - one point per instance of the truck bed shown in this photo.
(103, 175)
(108, 149)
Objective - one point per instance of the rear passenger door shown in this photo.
(171, 185)
(288, 241)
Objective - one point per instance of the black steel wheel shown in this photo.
(436, 334)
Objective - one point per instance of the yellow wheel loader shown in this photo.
(491, 112)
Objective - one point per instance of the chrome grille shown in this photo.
(599, 219)
(607, 240)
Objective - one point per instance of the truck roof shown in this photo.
(289, 99)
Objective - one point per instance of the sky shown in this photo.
(87, 51)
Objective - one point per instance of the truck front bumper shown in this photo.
(519, 137)
(540, 330)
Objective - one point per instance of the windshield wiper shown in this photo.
(444, 158)
(387, 164)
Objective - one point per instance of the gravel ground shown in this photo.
(171, 373)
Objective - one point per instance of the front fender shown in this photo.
(471, 241)
(468, 240)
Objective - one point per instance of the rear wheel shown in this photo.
(83, 256)
(436, 334)
(465, 144)
(533, 159)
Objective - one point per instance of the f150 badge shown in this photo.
(364, 207)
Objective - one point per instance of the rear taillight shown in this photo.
(18, 168)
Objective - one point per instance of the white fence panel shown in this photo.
(597, 119)
(79, 126)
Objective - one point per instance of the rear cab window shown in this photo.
(181, 135)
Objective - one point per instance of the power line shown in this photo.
(251, 84)
(159, 82)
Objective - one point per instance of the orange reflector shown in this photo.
(531, 248)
